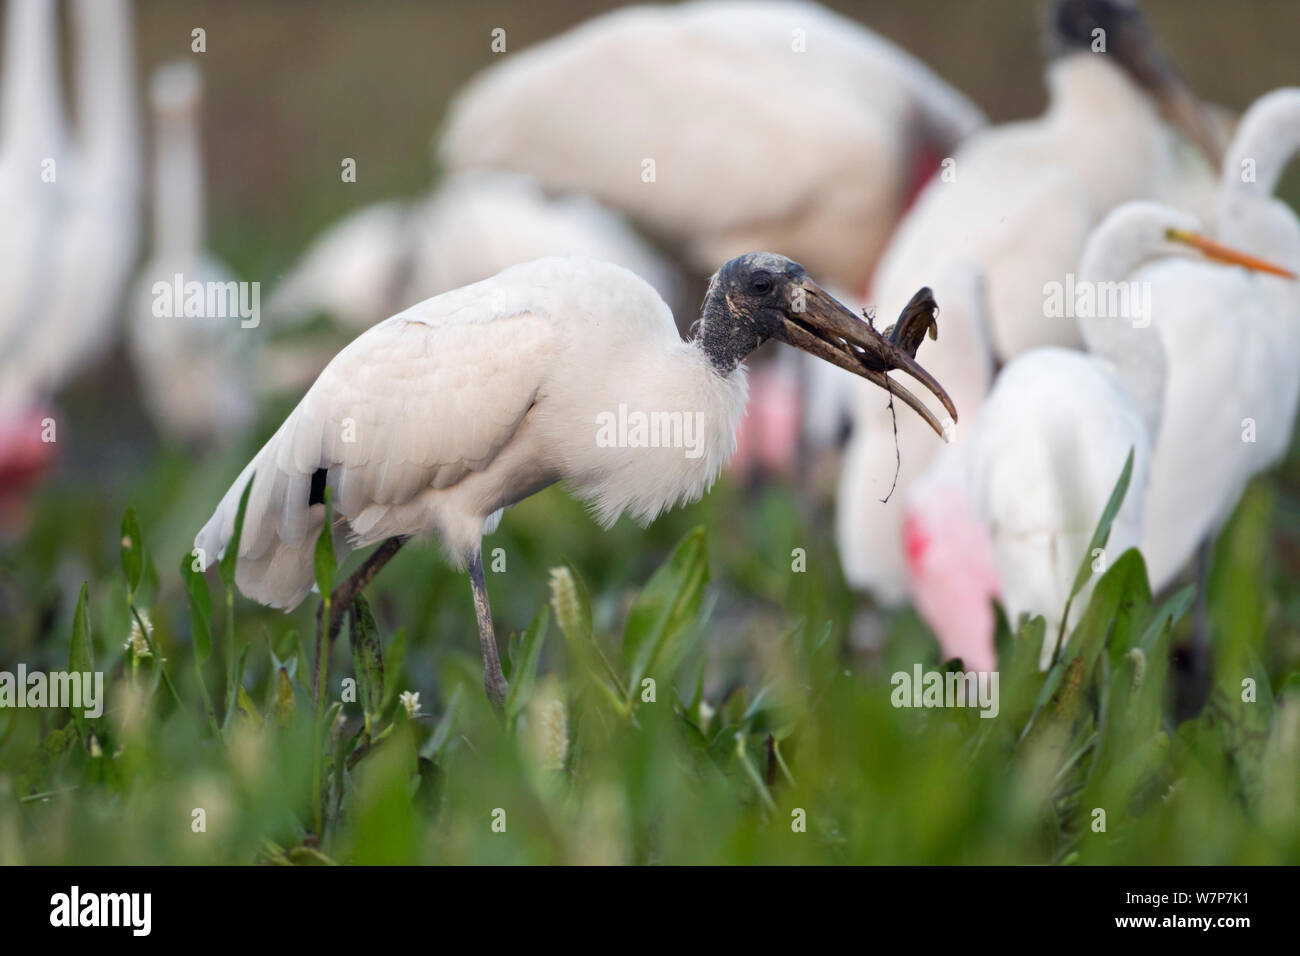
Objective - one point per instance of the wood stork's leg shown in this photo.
(341, 599)
(494, 682)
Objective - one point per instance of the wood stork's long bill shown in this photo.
(761, 296)
(1118, 28)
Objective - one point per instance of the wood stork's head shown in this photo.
(1118, 29)
(761, 296)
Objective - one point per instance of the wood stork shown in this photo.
(99, 195)
(1049, 443)
(1019, 205)
(438, 418)
(193, 369)
(684, 115)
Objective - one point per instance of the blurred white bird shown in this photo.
(478, 223)
(1050, 442)
(193, 369)
(684, 116)
(472, 226)
(1231, 344)
(32, 146)
(71, 216)
(873, 494)
(356, 271)
(438, 418)
(99, 195)
(1018, 205)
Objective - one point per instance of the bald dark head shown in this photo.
(761, 296)
(747, 303)
(1117, 27)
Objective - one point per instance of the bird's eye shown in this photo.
(761, 284)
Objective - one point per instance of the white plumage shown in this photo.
(472, 226)
(470, 401)
(561, 369)
(356, 270)
(99, 195)
(1231, 341)
(193, 369)
(32, 137)
(1049, 443)
(478, 223)
(868, 528)
(725, 99)
(1043, 458)
(1017, 205)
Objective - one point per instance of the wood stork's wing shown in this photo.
(417, 402)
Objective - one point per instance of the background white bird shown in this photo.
(1231, 349)
(32, 147)
(684, 116)
(1249, 216)
(99, 195)
(1050, 442)
(194, 371)
(1018, 205)
(33, 144)
(387, 255)
(438, 418)
(355, 271)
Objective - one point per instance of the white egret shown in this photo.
(1018, 205)
(683, 116)
(438, 418)
(1050, 442)
(193, 369)
(1231, 349)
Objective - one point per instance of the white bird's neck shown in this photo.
(178, 210)
(33, 104)
(1266, 140)
(1109, 129)
(108, 124)
(1127, 339)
